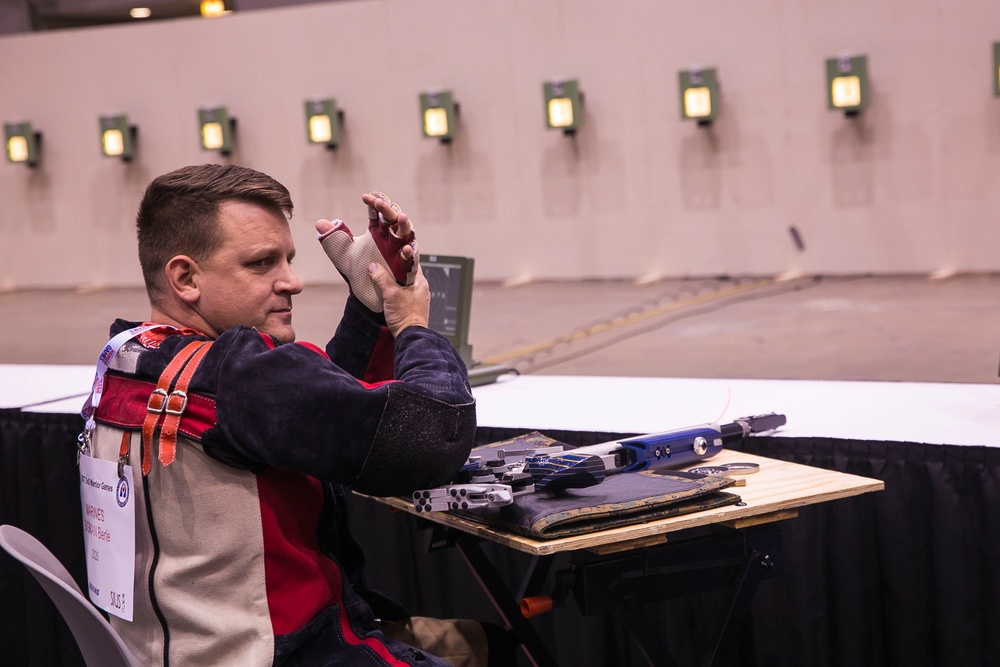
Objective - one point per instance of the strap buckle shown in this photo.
(170, 405)
(83, 445)
(159, 397)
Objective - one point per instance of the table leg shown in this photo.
(755, 567)
(498, 592)
(651, 644)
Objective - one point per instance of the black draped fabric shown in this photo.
(907, 576)
(39, 493)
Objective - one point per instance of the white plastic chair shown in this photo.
(97, 640)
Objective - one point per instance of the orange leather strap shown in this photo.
(124, 448)
(176, 404)
(159, 398)
(123, 452)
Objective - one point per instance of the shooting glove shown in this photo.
(379, 244)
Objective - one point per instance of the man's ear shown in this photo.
(181, 274)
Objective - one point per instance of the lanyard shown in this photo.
(103, 361)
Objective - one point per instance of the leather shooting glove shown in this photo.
(383, 242)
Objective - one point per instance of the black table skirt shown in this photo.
(40, 493)
(909, 576)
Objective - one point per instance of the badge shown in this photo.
(108, 534)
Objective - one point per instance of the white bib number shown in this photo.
(108, 534)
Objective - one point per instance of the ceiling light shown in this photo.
(699, 95)
(847, 84)
(323, 122)
(22, 143)
(563, 101)
(440, 115)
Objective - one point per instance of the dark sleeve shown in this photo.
(289, 407)
(363, 345)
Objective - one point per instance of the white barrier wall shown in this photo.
(909, 186)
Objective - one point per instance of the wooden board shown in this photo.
(771, 494)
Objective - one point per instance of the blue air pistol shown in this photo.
(552, 469)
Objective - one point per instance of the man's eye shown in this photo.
(261, 263)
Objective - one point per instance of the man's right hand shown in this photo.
(389, 242)
(404, 306)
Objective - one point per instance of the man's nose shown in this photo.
(289, 282)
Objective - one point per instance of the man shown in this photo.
(242, 442)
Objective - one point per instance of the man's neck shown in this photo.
(160, 316)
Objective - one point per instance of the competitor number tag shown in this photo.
(108, 534)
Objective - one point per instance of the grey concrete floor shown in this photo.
(903, 328)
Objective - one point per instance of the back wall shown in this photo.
(909, 186)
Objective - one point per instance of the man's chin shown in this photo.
(283, 333)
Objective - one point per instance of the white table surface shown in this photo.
(33, 385)
(935, 413)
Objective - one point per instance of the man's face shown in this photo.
(249, 280)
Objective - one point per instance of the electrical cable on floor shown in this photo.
(676, 309)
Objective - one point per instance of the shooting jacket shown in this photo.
(243, 552)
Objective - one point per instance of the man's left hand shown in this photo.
(404, 306)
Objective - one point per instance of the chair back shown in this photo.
(97, 640)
